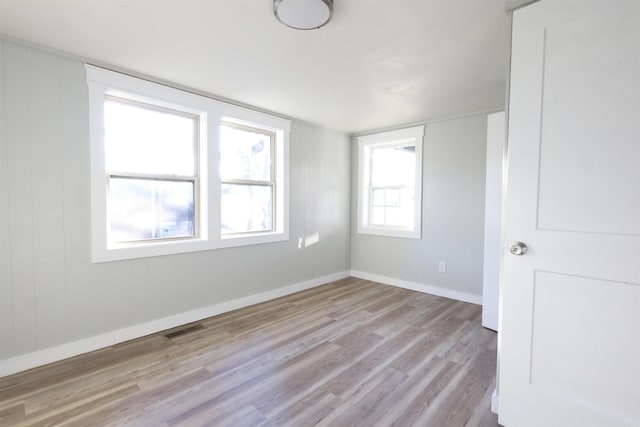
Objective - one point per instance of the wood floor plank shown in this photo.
(78, 409)
(425, 399)
(349, 353)
(10, 413)
(255, 387)
(309, 410)
(373, 404)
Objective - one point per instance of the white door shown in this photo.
(570, 323)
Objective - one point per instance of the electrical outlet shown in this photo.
(442, 266)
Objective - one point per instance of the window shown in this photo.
(390, 183)
(176, 172)
(151, 159)
(248, 179)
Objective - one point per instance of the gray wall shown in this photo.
(51, 293)
(452, 214)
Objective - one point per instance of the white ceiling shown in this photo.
(378, 63)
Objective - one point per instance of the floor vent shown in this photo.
(183, 331)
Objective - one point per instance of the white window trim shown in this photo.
(414, 135)
(271, 182)
(211, 112)
(281, 221)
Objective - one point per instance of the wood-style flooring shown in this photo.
(349, 353)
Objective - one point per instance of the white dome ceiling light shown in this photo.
(303, 14)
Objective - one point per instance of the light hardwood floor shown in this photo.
(349, 353)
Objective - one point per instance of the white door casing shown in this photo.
(570, 320)
(493, 219)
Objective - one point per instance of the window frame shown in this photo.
(101, 83)
(389, 139)
(194, 178)
(276, 126)
(272, 183)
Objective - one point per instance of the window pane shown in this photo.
(377, 216)
(246, 208)
(142, 209)
(142, 139)
(392, 197)
(387, 197)
(378, 198)
(393, 166)
(392, 216)
(245, 154)
(407, 217)
(393, 207)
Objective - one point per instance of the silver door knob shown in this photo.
(518, 248)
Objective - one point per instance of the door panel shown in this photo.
(573, 364)
(569, 330)
(585, 59)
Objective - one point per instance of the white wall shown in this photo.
(50, 292)
(452, 218)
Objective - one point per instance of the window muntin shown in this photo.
(390, 183)
(248, 184)
(151, 161)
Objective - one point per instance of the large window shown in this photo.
(176, 172)
(390, 183)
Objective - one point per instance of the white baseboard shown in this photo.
(64, 351)
(420, 287)
(494, 402)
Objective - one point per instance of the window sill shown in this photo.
(390, 232)
(171, 247)
(149, 249)
(231, 240)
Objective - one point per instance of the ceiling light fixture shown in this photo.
(303, 14)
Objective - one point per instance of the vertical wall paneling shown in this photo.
(337, 196)
(325, 199)
(297, 192)
(85, 282)
(17, 114)
(201, 272)
(46, 188)
(313, 204)
(6, 297)
(126, 293)
(168, 292)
